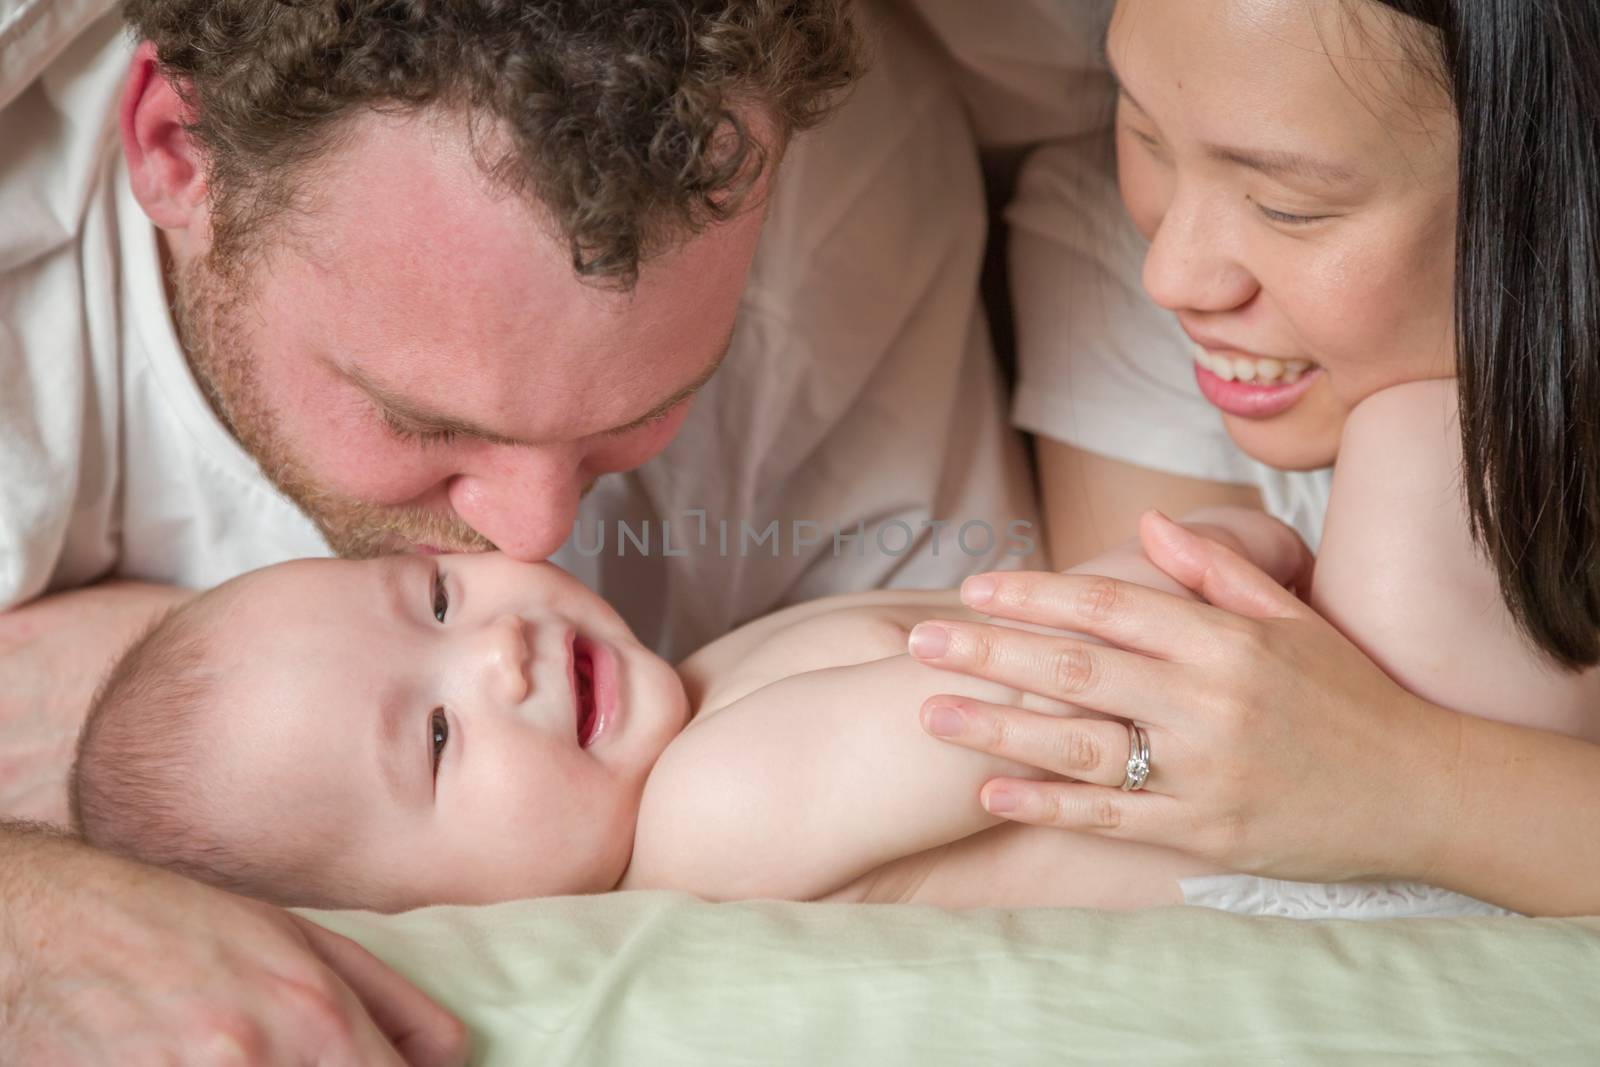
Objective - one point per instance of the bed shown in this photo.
(663, 979)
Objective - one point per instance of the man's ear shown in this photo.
(165, 166)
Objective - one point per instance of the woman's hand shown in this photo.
(1276, 746)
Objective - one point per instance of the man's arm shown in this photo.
(107, 961)
(53, 652)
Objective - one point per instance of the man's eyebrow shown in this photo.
(676, 398)
(420, 419)
(414, 416)
(1271, 162)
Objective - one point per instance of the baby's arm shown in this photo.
(1398, 572)
(814, 780)
(810, 782)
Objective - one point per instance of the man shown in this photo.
(431, 281)
(424, 326)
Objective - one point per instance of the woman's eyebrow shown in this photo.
(1279, 164)
(1118, 84)
(1274, 163)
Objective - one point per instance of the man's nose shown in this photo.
(504, 661)
(523, 501)
(1190, 265)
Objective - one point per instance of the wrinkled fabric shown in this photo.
(664, 980)
(1246, 894)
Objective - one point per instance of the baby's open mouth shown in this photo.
(583, 691)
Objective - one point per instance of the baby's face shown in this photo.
(456, 729)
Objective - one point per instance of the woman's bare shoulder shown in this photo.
(1400, 575)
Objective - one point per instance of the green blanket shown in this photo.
(657, 979)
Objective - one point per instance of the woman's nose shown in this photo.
(504, 654)
(1190, 266)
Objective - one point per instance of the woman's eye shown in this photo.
(1145, 138)
(1288, 219)
(439, 730)
(441, 598)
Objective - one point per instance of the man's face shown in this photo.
(412, 360)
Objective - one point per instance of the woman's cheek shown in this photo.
(1387, 309)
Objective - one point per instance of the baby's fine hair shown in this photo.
(139, 783)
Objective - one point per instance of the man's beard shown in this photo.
(209, 305)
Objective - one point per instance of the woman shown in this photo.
(1352, 190)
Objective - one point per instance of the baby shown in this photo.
(468, 729)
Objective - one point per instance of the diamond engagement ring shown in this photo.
(1138, 758)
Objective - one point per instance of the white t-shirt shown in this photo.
(861, 388)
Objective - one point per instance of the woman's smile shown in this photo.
(1252, 387)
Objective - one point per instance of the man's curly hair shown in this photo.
(629, 122)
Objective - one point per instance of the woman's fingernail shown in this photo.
(945, 721)
(978, 590)
(929, 642)
(999, 802)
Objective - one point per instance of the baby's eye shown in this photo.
(439, 728)
(441, 598)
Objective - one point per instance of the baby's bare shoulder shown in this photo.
(837, 632)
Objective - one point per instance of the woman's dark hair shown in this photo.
(1525, 79)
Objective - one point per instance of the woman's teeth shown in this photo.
(1252, 368)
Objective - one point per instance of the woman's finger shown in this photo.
(1137, 815)
(1121, 613)
(1086, 749)
(1057, 667)
(1219, 574)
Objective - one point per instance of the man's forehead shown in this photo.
(419, 272)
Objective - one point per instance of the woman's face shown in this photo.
(1295, 172)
